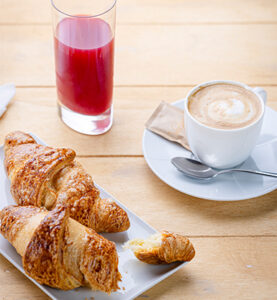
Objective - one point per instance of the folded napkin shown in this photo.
(168, 122)
(7, 92)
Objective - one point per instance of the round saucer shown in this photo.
(228, 187)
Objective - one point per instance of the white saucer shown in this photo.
(228, 187)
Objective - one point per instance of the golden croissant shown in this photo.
(162, 248)
(45, 176)
(58, 251)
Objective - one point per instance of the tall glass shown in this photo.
(84, 59)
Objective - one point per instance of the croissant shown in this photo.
(44, 176)
(58, 251)
(162, 248)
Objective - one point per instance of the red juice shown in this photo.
(84, 54)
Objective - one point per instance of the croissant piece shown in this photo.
(162, 248)
(58, 251)
(44, 176)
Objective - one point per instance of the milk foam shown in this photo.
(225, 106)
(237, 107)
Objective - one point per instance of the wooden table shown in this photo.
(163, 48)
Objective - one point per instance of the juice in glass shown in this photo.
(84, 57)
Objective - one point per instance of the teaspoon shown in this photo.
(196, 169)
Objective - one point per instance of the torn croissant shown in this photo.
(58, 251)
(45, 176)
(162, 248)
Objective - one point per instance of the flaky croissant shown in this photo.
(58, 251)
(44, 176)
(162, 248)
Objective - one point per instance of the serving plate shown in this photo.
(137, 277)
(158, 153)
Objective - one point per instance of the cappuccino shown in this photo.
(224, 106)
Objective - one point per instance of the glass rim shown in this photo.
(89, 16)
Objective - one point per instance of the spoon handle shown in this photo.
(270, 174)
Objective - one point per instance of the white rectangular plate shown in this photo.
(137, 277)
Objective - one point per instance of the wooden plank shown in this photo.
(224, 268)
(34, 110)
(237, 268)
(153, 55)
(129, 97)
(151, 11)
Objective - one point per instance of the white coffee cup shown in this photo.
(223, 148)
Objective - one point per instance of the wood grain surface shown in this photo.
(153, 54)
(154, 11)
(163, 48)
(133, 106)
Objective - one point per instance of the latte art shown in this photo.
(224, 106)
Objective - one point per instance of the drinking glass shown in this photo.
(84, 60)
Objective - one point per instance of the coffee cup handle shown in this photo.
(260, 91)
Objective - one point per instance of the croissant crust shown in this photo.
(44, 176)
(170, 248)
(42, 258)
(58, 251)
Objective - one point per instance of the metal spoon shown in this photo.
(196, 169)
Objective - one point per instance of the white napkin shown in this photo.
(7, 92)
